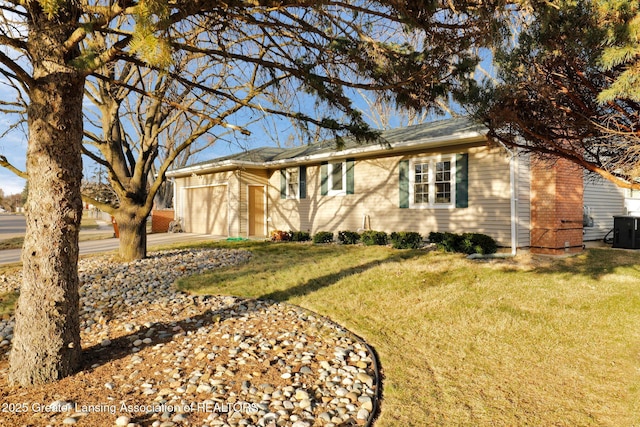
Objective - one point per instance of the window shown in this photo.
(431, 182)
(293, 183)
(337, 179)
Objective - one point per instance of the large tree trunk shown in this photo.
(46, 342)
(132, 226)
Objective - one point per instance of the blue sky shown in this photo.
(14, 148)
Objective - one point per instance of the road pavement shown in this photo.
(14, 226)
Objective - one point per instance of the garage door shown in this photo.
(206, 210)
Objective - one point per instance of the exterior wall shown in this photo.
(632, 202)
(376, 199)
(556, 206)
(603, 200)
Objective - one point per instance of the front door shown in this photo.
(257, 211)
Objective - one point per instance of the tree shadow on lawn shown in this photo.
(330, 279)
(594, 263)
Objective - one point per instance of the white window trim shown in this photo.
(287, 179)
(432, 160)
(330, 190)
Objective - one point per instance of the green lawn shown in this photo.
(469, 342)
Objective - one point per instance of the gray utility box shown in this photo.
(626, 232)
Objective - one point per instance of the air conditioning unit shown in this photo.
(626, 232)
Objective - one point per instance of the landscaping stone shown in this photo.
(204, 360)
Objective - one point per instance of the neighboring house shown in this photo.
(440, 176)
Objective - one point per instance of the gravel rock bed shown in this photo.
(158, 357)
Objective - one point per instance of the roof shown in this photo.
(427, 135)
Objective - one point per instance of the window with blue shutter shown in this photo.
(434, 182)
(337, 178)
(293, 183)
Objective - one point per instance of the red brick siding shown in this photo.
(557, 190)
(160, 220)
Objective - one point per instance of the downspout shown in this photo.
(514, 213)
(175, 197)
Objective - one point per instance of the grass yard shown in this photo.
(525, 342)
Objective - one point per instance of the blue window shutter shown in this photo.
(462, 180)
(303, 182)
(403, 179)
(283, 183)
(324, 179)
(350, 176)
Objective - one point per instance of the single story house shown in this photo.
(440, 176)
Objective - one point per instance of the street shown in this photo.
(14, 226)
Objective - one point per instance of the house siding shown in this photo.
(604, 200)
(376, 199)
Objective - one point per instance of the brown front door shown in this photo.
(257, 211)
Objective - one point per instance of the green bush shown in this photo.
(372, 237)
(435, 237)
(467, 243)
(300, 236)
(406, 240)
(323, 237)
(476, 243)
(348, 237)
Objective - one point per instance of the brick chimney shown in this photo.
(557, 189)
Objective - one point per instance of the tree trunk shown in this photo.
(133, 234)
(46, 342)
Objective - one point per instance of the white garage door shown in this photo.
(206, 210)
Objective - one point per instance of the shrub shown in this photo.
(323, 237)
(435, 237)
(476, 243)
(280, 236)
(406, 240)
(372, 237)
(300, 236)
(468, 243)
(348, 237)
